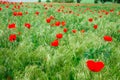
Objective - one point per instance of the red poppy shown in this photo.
(57, 23)
(21, 3)
(15, 13)
(48, 20)
(74, 31)
(90, 19)
(37, 13)
(12, 37)
(18, 7)
(59, 36)
(7, 6)
(65, 30)
(51, 17)
(108, 38)
(27, 25)
(82, 31)
(13, 25)
(55, 43)
(0, 9)
(15, 6)
(95, 26)
(19, 14)
(106, 13)
(58, 10)
(112, 10)
(95, 66)
(63, 23)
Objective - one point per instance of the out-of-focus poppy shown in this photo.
(74, 31)
(90, 19)
(57, 23)
(37, 13)
(59, 36)
(48, 20)
(11, 26)
(0, 9)
(95, 26)
(65, 30)
(27, 25)
(63, 23)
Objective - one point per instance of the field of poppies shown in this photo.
(59, 41)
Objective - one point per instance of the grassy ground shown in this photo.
(31, 57)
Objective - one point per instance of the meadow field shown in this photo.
(59, 41)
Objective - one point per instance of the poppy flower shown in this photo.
(95, 66)
(74, 31)
(19, 14)
(63, 23)
(12, 37)
(0, 9)
(106, 13)
(55, 43)
(108, 38)
(57, 23)
(15, 13)
(48, 20)
(58, 10)
(11, 26)
(95, 26)
(59, 36)
(21, 3)
(82, 31)
(18, 7)
(7, 6)
(37, 13)
(65, 30)
(15, 6)
(90, 19)
(112, 10)
(27, 25)
(51, 17)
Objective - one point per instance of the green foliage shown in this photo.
(47, 0)
(39, 0)
(78, 1)
(95, 1)
(105, 51)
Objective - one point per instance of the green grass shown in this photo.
(31, 57)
